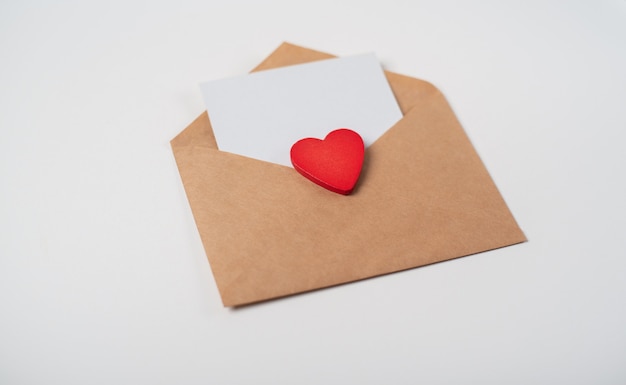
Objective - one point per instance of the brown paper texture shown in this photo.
(424, 196)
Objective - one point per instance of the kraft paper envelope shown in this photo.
(424, 196)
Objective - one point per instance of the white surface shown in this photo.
(261, 115)
(103, 279)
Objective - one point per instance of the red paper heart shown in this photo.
(333, 163)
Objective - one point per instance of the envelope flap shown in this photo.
(407, 90)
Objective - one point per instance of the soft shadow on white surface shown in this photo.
(103, 278)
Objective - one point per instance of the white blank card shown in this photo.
(261, 115)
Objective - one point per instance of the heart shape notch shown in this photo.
(334, 163)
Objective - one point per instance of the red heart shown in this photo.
(333, 163)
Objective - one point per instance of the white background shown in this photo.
(103, 279)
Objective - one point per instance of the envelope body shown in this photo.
(423, 196)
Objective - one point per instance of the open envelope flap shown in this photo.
(424, 196)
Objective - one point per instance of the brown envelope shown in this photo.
(424, 196)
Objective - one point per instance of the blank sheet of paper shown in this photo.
(261, 115)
